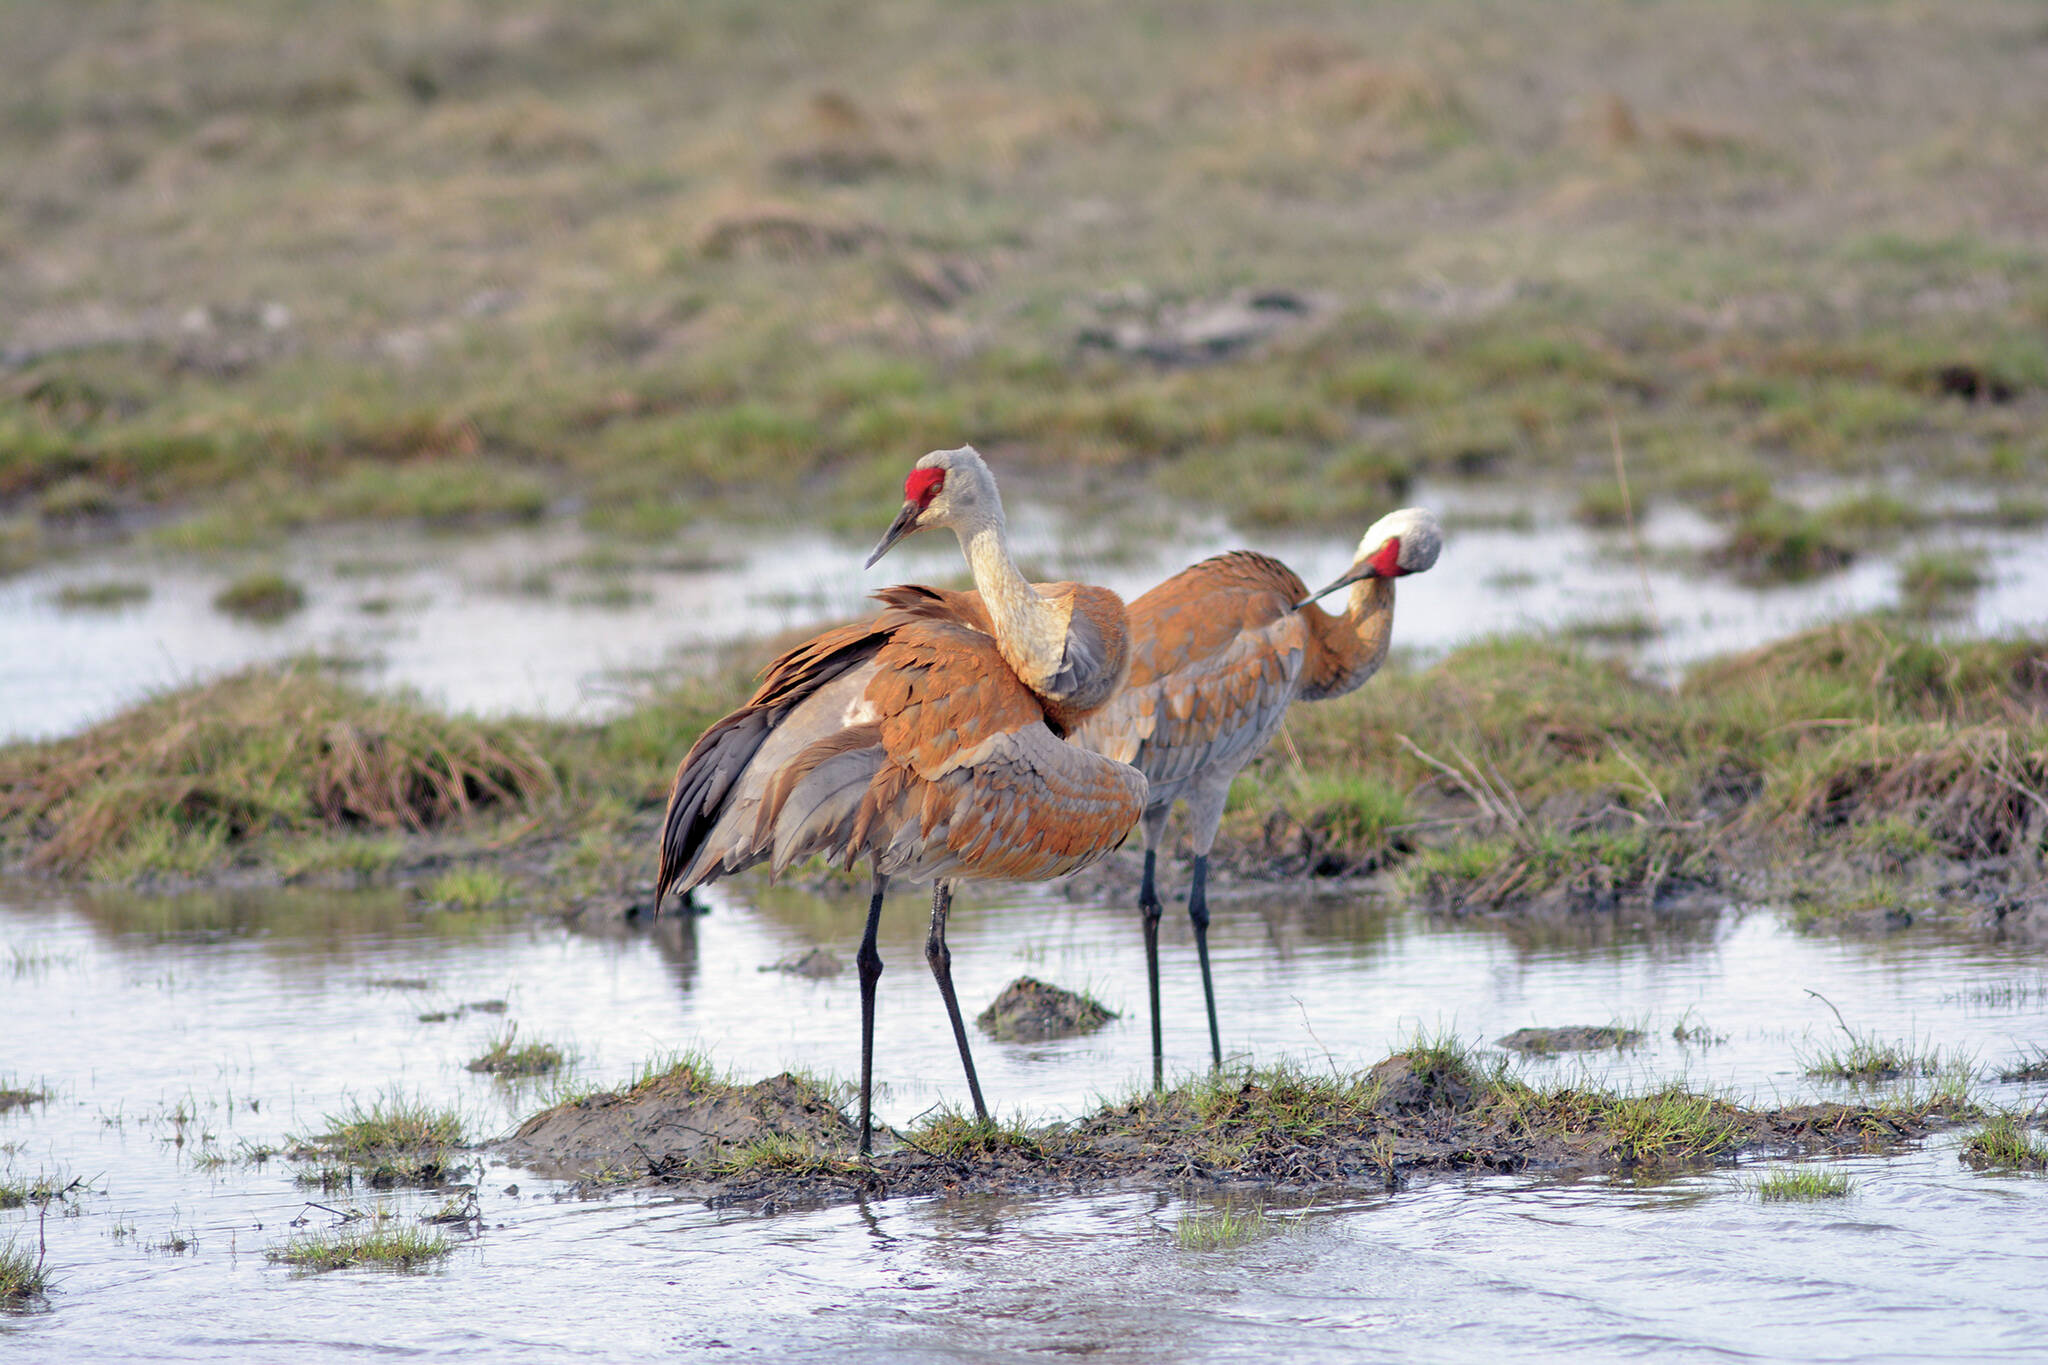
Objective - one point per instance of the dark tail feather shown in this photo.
(718, 758)
(704, 780)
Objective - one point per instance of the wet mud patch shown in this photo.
(680, 1118)
(1545, 1042)
(779, 1143)
(1030, 1011)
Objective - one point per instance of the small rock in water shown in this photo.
(817, 964)
(1570, 1038)
(1029, 1011)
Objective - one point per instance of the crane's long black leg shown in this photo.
(941, 959)
(1150, 908)
(1198, 912)
(869, 960)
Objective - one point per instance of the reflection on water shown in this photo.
(548, 620)
(256, 1013)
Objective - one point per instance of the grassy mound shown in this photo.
(1862, 772)
(1430, 1108)
(184, 782)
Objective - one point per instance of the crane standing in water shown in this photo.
(928, 740)
(1217, 653)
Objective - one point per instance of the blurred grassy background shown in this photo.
(266, 263)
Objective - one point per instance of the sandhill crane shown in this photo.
(927, 740)
(1217, 653)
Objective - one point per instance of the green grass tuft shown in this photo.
(508, 1057)
(470, 888)
(950, 1133)
(1803, 1185)
(1933, 581)
(106, 595)
(1355, 811)
(17, 1096)
(2003, 1144)
(392, 1141)
(265, 598)
(23, 1279)
(381, 1246)
(1219, 1229)
(778, 1154)
(1865, 1061)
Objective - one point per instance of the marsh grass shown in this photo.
(775, 292)
(1934, 581)
(24, 1281)
(1226, 1227)
(507, 1057)
(394, 1140)
(470, 888)
(951, 1133)
(188, 781)
(1513, 771)
(18, 1191)
(105, 595)
(2003, 1143)
(1358, 812)
(1868, 1061)
(1623, 628)
(1802, 1185)
(1667, 1124)
(2032, 1067)
(15, 1095)
(1782, 543)
(384, 1245)
(788, 1154)
(265, 598)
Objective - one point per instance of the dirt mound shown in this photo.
(1030, 1011)
(677, 1118)
(1409, 1086)
(1428, 1110)
(1541, 1042)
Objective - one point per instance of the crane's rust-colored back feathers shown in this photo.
(1217, 653)
(905, 739)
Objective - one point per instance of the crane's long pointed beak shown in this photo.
(905, 521)
(1357, 573)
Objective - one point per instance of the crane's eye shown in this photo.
(922, 486)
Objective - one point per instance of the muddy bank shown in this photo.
(677, 1117)
(1430, 1109)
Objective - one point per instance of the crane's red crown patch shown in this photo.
(1386, 561)
(923, 485)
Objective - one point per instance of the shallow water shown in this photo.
(549, 620)
(231, 1019)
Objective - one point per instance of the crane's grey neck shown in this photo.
(1031, 631)
(1370, 616)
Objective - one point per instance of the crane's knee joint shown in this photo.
(869, 962)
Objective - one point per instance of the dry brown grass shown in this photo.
(208, 769)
